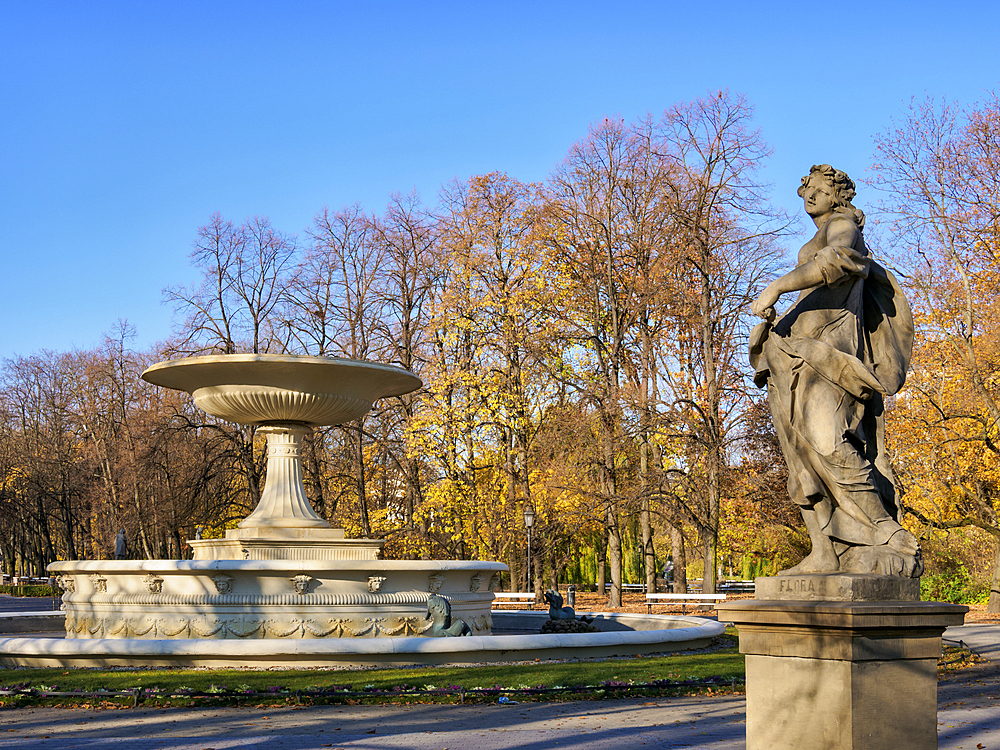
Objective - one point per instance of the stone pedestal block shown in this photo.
(841, 675)
(839, 587)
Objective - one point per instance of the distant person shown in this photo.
(668, 573)
(121, 546)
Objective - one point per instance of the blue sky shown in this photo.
(124, 126)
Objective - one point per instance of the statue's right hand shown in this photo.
(763, 306)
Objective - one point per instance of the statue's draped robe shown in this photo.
(828, 364)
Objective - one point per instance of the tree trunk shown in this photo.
(680, 560)
(993, 605)
(614, 558)
(537, 563)
(361, 479)
(514, 563)
(601, 552)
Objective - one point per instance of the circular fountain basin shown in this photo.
(269, 599)
(620, 635)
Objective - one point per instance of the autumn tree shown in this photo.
(236, 306)
(46, 477)
(727, 232)
(603, 224)
(940, 169)
(408, 235)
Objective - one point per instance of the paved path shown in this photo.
(611, 725)
(10, 603)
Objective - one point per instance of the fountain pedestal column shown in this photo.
(283, 503)
(848, 674)
(284, 525)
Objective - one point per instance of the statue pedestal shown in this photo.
(840, 674)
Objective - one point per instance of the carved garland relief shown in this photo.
(242, 628)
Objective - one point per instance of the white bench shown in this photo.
(737, 587)
(684, 599)
(513, 597)
(627, 587)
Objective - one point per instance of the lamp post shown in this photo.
(529, 521)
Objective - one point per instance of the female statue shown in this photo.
(828, 363)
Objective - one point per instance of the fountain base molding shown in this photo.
(844, 675)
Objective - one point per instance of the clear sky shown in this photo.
(124, 126)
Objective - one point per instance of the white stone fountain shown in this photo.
(284, 573)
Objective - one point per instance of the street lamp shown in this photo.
(529, 521)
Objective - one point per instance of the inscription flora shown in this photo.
(797, 585)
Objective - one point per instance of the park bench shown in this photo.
(737, 587)
(639, 587)
(513, 598)
(684, 599)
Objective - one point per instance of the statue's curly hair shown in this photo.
(843, 191)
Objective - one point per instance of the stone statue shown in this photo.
(439, 612)
(828, 363)
(563, 619)
(556, 609)
(121, 545)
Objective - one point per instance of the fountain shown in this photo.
(284, 572)
(284, 588)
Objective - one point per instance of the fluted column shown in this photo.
(284, 504)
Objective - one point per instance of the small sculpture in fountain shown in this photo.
(829, 363)
(439, 613)
(563, 619)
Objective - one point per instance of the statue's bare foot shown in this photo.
(903, 541)
(815, 562)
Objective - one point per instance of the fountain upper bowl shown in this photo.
(275, 388)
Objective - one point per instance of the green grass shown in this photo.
(724, 663)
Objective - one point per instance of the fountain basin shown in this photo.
(268, 599)
(622, 635)
(267, 388)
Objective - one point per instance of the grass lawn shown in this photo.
(607, 678)
(716, 670)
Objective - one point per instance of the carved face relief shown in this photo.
(476, 582)
(434, 583)
(67, 584)
(301, 584)
(495, 582)
(223, 584)
(100, 583)
(375, 583)
(153, 583)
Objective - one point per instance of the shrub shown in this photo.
(27, 590)
(955, 586)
